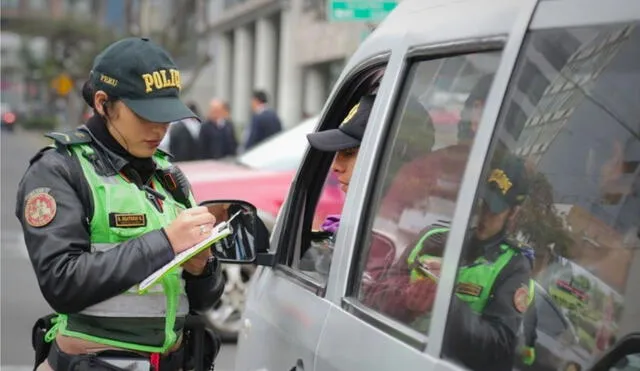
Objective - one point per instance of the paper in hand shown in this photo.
(219, 232)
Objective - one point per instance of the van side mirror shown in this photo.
(247, 231)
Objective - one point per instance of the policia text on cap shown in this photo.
(102, 209)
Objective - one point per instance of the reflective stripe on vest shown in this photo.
(532, 290)
(475, 281)
(129, 304)
(167, 300)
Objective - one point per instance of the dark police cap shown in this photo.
(350, 132)
(507, 185)
(142, 75)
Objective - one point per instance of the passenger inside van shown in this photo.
(492, 292)
(438, 173)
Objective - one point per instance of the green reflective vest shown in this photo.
(474, 281)
(118, 209)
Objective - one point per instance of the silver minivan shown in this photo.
(459, 85)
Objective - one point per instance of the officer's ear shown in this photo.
(100, 99)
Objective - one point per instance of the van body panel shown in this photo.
(418, 23)
(366, 347)
(282, 327)
(299, 324)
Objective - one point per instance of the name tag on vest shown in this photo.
(469, 289)
(127, 220)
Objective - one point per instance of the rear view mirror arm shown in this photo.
(266, 259)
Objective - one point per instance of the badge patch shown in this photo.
(40, 207)
(521, 299)
(469, 289)
(127, 220)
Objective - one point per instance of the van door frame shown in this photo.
(589, 13)
(293, 213)
(473, 174)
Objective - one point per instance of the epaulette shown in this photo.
(514, 243)
(66, 138)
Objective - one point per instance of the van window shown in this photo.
(417, 183)
(322, 183)
(559, 203)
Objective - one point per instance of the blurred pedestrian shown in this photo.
(217, 135)
(264, 123)
(183, 140)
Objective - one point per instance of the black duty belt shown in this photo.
(113, 360)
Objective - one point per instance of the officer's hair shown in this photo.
(88, 93)
(194, 108)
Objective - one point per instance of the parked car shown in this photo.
(558, 77)
(8, 116)
(272, 165)
(261, 176)
(557, 345)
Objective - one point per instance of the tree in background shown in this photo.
(72, 40)
(540, 224)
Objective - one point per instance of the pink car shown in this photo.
(262, 176)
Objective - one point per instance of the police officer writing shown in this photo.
(102, 209)
(493, 281)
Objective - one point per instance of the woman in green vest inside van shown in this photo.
(102, 209)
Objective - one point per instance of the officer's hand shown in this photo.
(198, 263)
(528, 355)
(435, 265)
(191, 227)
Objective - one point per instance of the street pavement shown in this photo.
(21, 300)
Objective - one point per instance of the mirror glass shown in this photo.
(242, 220)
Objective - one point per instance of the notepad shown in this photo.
(219, 232)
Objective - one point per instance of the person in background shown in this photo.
(183, 139)
(264, 123)
(218, 133)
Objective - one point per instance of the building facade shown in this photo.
(20, 88)
(287, 48)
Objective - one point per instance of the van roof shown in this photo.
(424, 22)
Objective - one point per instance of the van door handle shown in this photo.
(299, 366)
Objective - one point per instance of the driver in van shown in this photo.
(493, 284)
(345, 142)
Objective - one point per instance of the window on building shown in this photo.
(10, 4)
(515, 119)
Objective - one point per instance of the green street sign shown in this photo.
(360, 10)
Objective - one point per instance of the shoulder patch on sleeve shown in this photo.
(39, 207)
(521, 299)
(69, 137)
